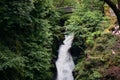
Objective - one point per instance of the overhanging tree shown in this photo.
(114, 8)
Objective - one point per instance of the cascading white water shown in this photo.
(64, 63)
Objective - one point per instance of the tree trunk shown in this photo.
(118, 4)
(115, 9)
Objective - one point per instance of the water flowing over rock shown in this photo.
(64, 63)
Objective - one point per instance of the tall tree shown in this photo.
(26, 39)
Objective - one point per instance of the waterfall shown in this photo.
(64, 63)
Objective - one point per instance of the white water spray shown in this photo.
(64, 63)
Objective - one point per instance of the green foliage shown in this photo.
(26, 35)
(65, 3)
(30, 31)
(88, 24)
(92, 4)
(99, 56)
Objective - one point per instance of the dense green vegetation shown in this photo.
(26, 39)
(32, 30)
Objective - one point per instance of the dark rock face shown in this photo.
(75, 52)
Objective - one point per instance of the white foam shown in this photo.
(64, 63)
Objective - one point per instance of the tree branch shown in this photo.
(112, 5)
(115, 9)
(118, 4)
